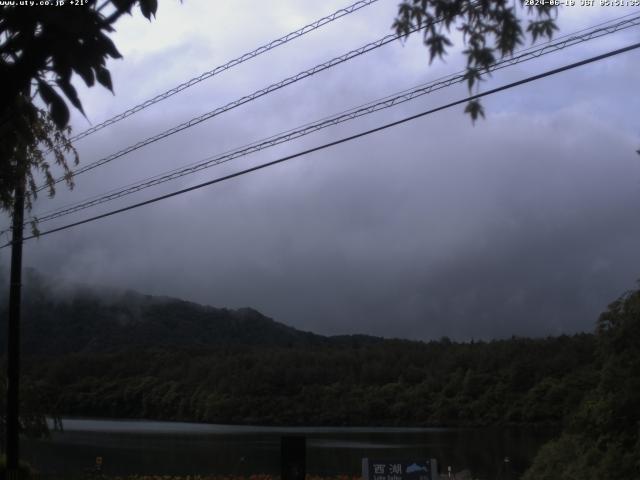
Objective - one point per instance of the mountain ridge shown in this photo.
(60, 319)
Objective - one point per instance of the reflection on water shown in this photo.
(148, 426)
(172, 448)
(333, 443)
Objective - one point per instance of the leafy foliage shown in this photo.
(34, 133)
(602, 438)
(36, 403)
(490, 29)
(40, 49)
(391, 383)
(50, 44)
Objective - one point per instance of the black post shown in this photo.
(293, 451)
(13, 347)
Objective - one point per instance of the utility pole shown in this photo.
(13, 337)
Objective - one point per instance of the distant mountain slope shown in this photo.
(95, 352)
(85, 320)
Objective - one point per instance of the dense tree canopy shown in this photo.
(602, 438)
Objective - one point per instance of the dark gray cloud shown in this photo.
(521, 225)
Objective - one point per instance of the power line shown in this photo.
(340, 141)
(230, 64)
(607, 27)
(241, 101)
(362, 110)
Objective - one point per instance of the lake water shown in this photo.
(174, 448)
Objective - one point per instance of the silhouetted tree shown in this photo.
(602, 438)
(40, 49)
(491, 29)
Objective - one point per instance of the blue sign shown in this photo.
(399, 469)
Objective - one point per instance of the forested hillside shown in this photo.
(390, 383)
(601, 438)
(122, 354)
(74, 319)
(126, 355)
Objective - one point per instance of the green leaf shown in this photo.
(57, 107)
(104, 77)
(472, 75)
(59, 112)
(108, 46)
(474, 108)
(123, 5)
(84, 70)
(46, 92)
(437, 45)
(148, 8)
(71, 94)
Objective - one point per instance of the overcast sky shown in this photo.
(524, 224)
